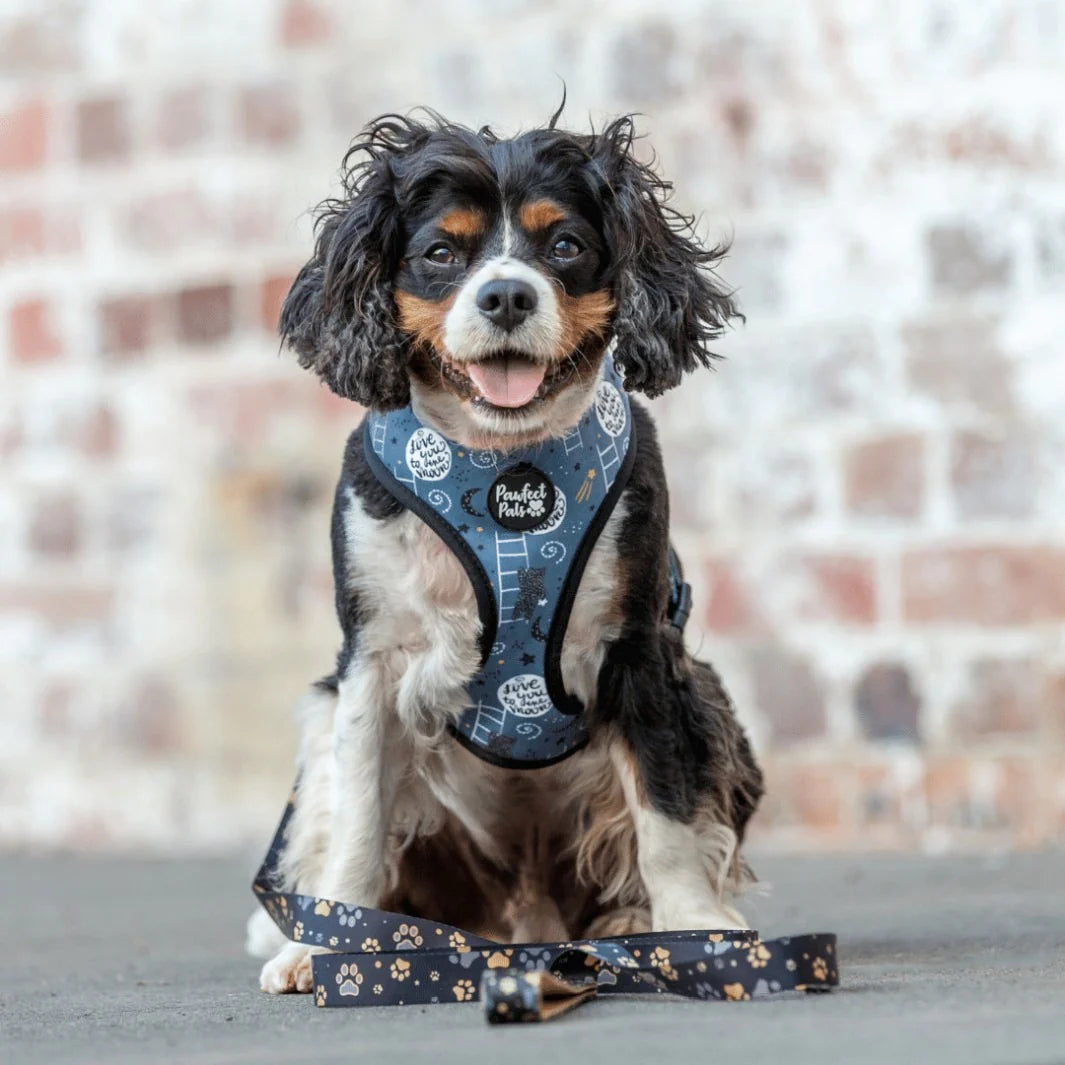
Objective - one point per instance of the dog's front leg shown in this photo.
(362, 796)
(672, 752)
(683, 865)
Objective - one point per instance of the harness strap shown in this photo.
(390, 959)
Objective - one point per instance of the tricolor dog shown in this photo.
(514, 739)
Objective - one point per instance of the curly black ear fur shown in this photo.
(670, 304)
(339, 315)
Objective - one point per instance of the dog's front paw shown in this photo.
(289, 970)
(718, 918)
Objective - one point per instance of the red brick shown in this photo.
(103, 131)
(992, 585)
(60, 605)
(181, 118)
(24, 137)
(305, 23)
(125, 325)
(95, 433)
(885, 478)
(805, 796)
(843, 589)
(32, 331)
(993, 475)
(948, 792)
(887, 706)
(729, 608)
(965, 260)
(164, 221)
(22, 233)
(205, 314)
(269, 115)
(959, 362)
(1001, 696)
(56, 525)
(152, 724)
(788, 693)
(272, 295)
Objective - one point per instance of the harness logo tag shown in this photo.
(521, 498)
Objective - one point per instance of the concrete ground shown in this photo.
(943, 960)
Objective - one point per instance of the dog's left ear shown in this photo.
(670, 304)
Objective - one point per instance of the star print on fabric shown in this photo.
(463, 528)
(527, 660)
(394, 440)
(576, 465)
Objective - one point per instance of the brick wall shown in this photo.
(869, 493)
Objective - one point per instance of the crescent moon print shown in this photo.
(538, 632)
(467, 503)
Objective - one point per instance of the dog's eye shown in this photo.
(441, 254)
(566, 248)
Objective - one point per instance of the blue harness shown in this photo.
(523, 524)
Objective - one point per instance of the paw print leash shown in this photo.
(387, 959)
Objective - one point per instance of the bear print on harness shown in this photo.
(523, 516)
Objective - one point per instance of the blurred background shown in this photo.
(869, 493)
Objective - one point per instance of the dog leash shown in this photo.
(388, 959)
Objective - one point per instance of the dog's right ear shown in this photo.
(339, 315)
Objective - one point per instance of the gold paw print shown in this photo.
(319, 995)
(458, 942)
(333, 941)
(348, 980)
(499, 960)
(297, 932)
(434, 976)
(735, 992)
(407, 936)
(758, 956)
(660, 961)
(370, 945)
(322, 908)
(400, 969)
(820, 968)
(463, 990)
(377, 989)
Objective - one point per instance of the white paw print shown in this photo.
(407, 937)
(348, 980)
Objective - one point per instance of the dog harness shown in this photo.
(523, 524)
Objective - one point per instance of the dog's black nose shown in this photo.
(506, 303)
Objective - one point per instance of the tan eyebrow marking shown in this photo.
(540, 214)
(463, 222)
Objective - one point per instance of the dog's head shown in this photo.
(488, 276)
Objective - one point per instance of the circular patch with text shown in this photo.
(521, 498)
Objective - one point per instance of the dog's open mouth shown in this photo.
(506, 382)
(509, 381)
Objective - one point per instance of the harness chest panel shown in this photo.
(523, 524)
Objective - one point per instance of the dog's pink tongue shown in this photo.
(506, 381)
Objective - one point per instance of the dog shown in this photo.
(485, 286)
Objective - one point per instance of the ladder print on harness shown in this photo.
(573, 439)
(609, 460)
(378, 436)
(512, 555)
(488, 723)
